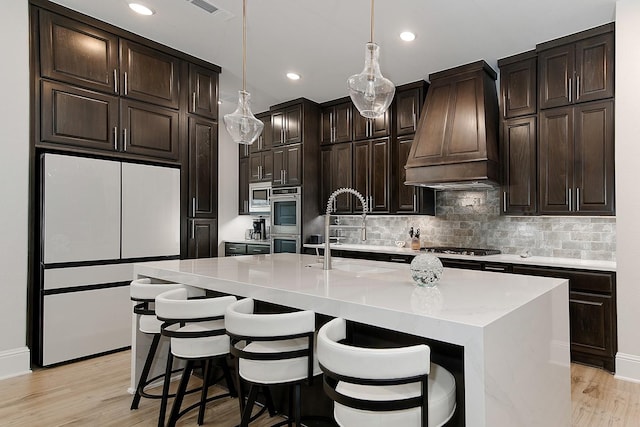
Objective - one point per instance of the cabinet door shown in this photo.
(277, 128)
(149, 130)
(243, 187)
(341, 175)
(293, 125)
(361, 165)
(279, 165)
(326, 168)
(264, 139)
(406, 194)
(267, 165)
(255, 167)
(519, 165)
(78, 117)
(293, 165)
(371, 128)
(203, 92)
(203, 168)
(76, 53)
(149, 75)
(591, 327)
(555, 73)
(518, 88)
(342, 123)
(555, 160)
(595, 68)
(594, 158)
(407, 111)
(326, 128)
(203, 238)
(360, 126)
(379, 176)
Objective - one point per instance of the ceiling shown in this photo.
(324, 40)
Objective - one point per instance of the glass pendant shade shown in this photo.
(370, 91)
(242, 125)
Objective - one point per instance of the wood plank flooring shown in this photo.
(94, 393)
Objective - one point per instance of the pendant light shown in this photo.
(242, 125)
(370, 92)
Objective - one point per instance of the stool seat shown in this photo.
(277, 371)
(194, 348)
(149, 324)
(441, 397)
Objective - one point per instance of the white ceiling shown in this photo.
(323, 40)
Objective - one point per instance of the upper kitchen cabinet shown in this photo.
(576, 160)
(408, 199)
(286, 125)
(264, 141)
(336, 122)
(518, 83)
(408, 103)
(371, 174)
(203, 92)
(336, 165)
(77, 53)
(518, 150)
(243, 186)
(287, 165)
(577, 68)
(148, 130)
(203, 171)
(371, 128)
(149, 75)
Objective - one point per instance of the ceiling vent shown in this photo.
(212, 9)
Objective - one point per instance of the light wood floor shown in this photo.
(94, 393)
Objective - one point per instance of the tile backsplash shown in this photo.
(472, 219)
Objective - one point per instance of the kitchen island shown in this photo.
(513, 329)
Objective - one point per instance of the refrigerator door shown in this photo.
(150, 211)
(81, 213)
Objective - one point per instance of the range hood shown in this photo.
(456, 142)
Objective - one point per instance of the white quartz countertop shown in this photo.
(467, 297)
(501, 258)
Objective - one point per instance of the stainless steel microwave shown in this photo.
(259, 197)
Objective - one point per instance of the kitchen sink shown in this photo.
(353, 268)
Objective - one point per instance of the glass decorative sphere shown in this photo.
(426, 270)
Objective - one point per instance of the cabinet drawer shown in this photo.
(500, 268)
(599, 282)
(457, 263)
(258, 249)
(235, 249)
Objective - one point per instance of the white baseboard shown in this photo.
(628, 367)
(15, 362)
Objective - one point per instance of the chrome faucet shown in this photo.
(327, 222)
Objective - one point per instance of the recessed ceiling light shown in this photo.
(293, 76)
(407, 36)
(141, 9)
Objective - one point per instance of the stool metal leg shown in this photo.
(205, 386)
(145, 371)
(297, 403)
(229, 379)
(251, 400)
(269, 400)
(182, 388)
(165, 389)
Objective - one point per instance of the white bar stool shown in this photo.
(144, 293)
(272, 349)
(383, 387)
(197, 331)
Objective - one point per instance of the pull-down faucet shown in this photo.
(327, 222)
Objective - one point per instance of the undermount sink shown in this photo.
(354, 268)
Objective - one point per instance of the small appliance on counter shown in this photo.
(259, 229)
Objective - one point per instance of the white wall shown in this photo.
(627, 192)
(14, 181)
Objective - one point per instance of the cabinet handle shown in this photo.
(115, 80)
(397, 260)
(284, 176)
(492, 268)
(504, 106)
(570, 81)
(193, 206)
(577, 199)
(246, 205)
(415, 201)
(569, 200)
(577, 88)
(115, 138)
(193, 229)
(370, 203)
(193, 103)
(126, 83)
(259, 172)
(124, 138)
(504, 201)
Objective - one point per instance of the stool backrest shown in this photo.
(175, 305)
(144, 293)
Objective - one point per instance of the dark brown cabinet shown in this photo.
(336, 165)
(286, 125)
(576, 160)
(243, 186)
(149, 130)
(519, 165)
(77, 53)
(575, 72)
(287, 165)
(149, 75)
(409, 99)
(203, 171)
(409, 199)
(371, 128)
(203, 238)
(203, 92)
(261, 166)
(518, 85)
(264, 141)
(371, 174)
(336, 123)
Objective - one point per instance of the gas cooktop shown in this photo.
(460, 251)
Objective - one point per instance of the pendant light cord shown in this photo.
(371, 40)
(244, 45)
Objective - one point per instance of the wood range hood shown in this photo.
(456, 143)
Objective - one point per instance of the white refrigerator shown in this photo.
(97, 218)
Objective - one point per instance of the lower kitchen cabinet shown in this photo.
(234, 249)
(203, 238)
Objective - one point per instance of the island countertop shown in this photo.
(514, 329)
